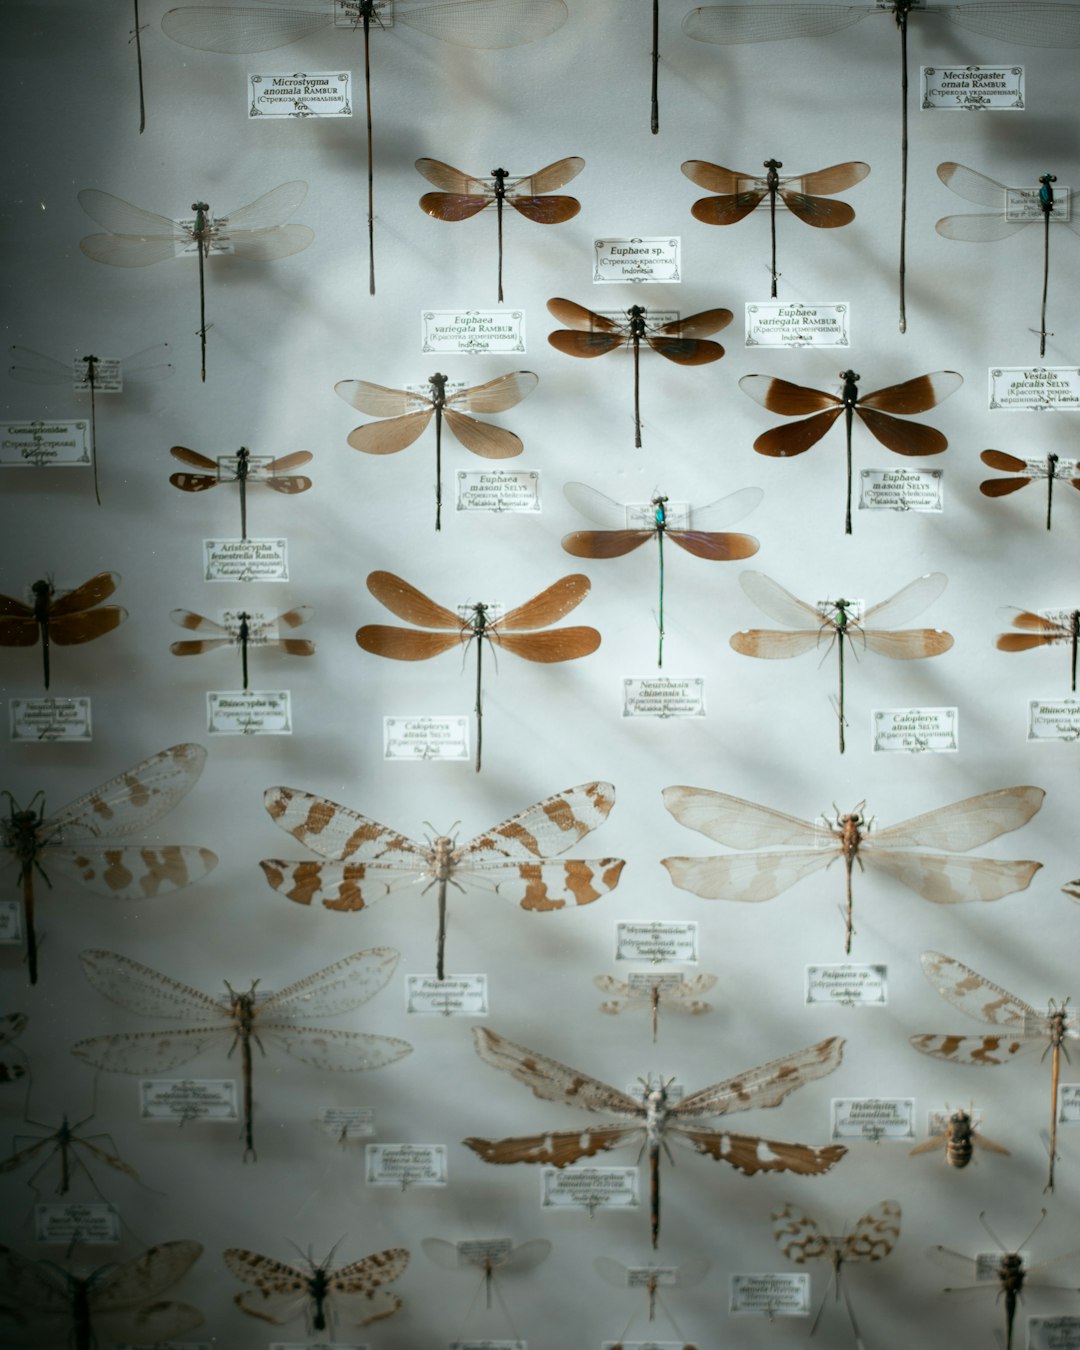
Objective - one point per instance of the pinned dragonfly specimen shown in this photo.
(93, 375)
(1025, 1028)
(487, 25)
(488, 1255)
(244, 1019)
(410, 413)
(652, 1279)
(672, 991)
(512, 632)
(1052, 468)
(876, 412)
(79, 841)
(654, 1118)
(329, 1298)
(41, 1303)
(872, 1239)
(68, 618)
(12, 1026)
(627, 527)
(680, 340)
(1012, 212)
(1056, 628)
(938, 877)
(840, 621)
(70, 1151)
(1011, 1273)
(460, 196)
(242, 468)
(243, 630)
(959, 1138)
(744, 192)
(1033, 24)
(366, 860)
(137, 238)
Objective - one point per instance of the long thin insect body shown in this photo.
(201, 235)
(91, 381)
(500, 176)
(637, 331)
(661, 524)
(772, 182)
(1046, 202)
(850, 397)
(366, 12)
(243, 467)
(844, 619)
(1051, 467)
(438, 398)
(902, 7)
(654, 120)
(43, 591)
(137, 37)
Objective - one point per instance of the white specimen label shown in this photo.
(472, 331)
(187, 1099)
(1034, 389)
(661, 697)
(347, 1122)
(454, 996)
(50, 719)
(44, 445)
(770, 323)
(1053, 1333)
(1022, 204)
(589, 1188)
(846, 984)
(245, 560)
(915, 729)
(1054, 719)
(108, 377)
(249, 712)
(657, 941)
(418, 739)
(499, 490)
(11, 928)
(96, 1225)
(777, 1295)
(972, 89)
(405, 1165)
(637, 260)
(873, 1118)
(901, 489)
(323, 93)
(1069, 1104)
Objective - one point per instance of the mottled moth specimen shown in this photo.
(65, 842)
(41, 1303)
(66, 620)
(244, 1020)
(939, 877)
(1024, 1028)
(366, 860)
(872, 1239)
(244, 470)
(671, 992)
(330, 1298)
(653, 1118)
(959, 1139)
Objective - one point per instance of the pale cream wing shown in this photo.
(745, 876)
(549, 1079)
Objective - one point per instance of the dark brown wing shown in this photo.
(193, 482)
(546, 210)
(604, 543)
(914, 396)
(90, 593)
(448, 206)
(716, 547)
(12, 608)
(1001, 487)
(560, 644)
(453, 181)
(818, 211)
(998, 459)
(584, 320)
(547, 179)
(685, 351)
(481, 437)
(192, 457)
(405, 644)
(286, 462)
(696, 325)
(787, 399)
(18, 632)
(794, 439)
(288, 484)
(557, 1148)
(903, 438)
(751, 1155)
(715, 178)
(835, 178)
(505, 391)
(551, 604)
(408, 603)
(725, 210)
(72, 629)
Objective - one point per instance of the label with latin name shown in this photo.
(972, 89)
(184, 1345)
(44, 445)
(187, 1099)
(637, 260)
(662, 697)
(901, 489)
(324, 93)
(1053, 1333)
(11, 928)
(643, 1345)
(245, 560)
(1069, 1104)
(425, 738)
(915, 729)
(249, 712)
(657, 941)
(1022, 204)
(642, 515)
(873, 1118)
(988, 1265)
(347, 1122)
(496, 1345)
(772, 323)
(1034, 389)
(1063, 468)
(405, 1165)
(472, 331)
(846, 984)
(479, 1251)
(777, 1295)
(499, 490)
(589, 1188)
(454, 996)
(50, 719)
(312, 1345)
(108, 376)
(1054, 719)
(97, 1224)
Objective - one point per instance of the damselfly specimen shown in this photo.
(1055, 628)
(484, 24)
(680, 340)
(511, 632)
(244, 469)
(41, 1303)
(872, 1239)
(67, 618)
(93, 375)
(488, 1255)
(244, 1019)
(330, 1298)
(671, 991)
(744, 192)
(876, 412)
(959, 1139)
(254, 233)
(840, 621)
(938, 877)
(1025, 1028)
(243, 630)
(1011, 1273)
(654, 1118)
(627, 527)
(1031, 24)
(1014, 209)
(78, 842)
(460, 196)
(1052, 468)
(366, 860)
(410, 412)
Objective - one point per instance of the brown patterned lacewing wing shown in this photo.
(329, 1298)
(366, 860)
(653, 1119)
